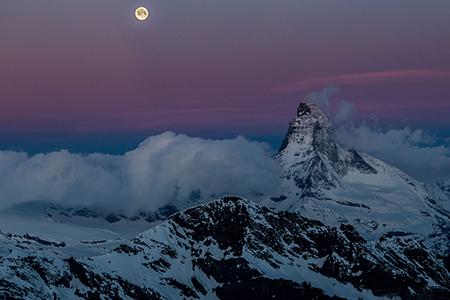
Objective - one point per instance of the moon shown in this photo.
(141, 13)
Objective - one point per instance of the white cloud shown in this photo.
(338, 110)
(413, 151)
(322, 98)
(164, 168)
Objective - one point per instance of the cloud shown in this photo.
(164, 168)
(345, 111)
(411, 150)
(362, 78)
(322, 98)
(338, 110)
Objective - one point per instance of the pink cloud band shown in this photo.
(362, 78)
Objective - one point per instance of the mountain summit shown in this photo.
(310, 118)
(326, 181)
(310, 155)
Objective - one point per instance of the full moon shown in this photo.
(141, 13)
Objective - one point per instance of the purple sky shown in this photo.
(234, 67)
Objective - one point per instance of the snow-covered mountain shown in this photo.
(37, 226)
(229, 249)
(326, 181)
(344, 225)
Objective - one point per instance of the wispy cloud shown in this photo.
(362, 78)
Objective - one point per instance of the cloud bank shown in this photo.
(164, 168)
(413, 151)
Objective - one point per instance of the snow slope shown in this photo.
(38, 226)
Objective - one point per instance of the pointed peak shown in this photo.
(311, 116)
(310, 121)
(307, 107)
(303, 108)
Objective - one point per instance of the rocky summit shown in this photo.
(310, 155)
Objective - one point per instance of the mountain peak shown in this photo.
(307, 107)
(303, 108)
(311, 121)
(311, 156)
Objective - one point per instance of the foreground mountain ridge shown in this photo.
(231, 247)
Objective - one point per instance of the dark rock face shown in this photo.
(357, 162)
(285, 141)
(346, 256)
(230, 248)
(227, 270)
(267, 289)
(111, 218)
(303, 109)
(444, 185)
(160, 214)
(279, 199)
(225, 228)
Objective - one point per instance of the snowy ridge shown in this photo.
(42, 226)
(231, 247)
(327, 182)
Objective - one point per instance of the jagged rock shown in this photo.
(231, 247)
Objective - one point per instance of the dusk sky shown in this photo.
(87, 71)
